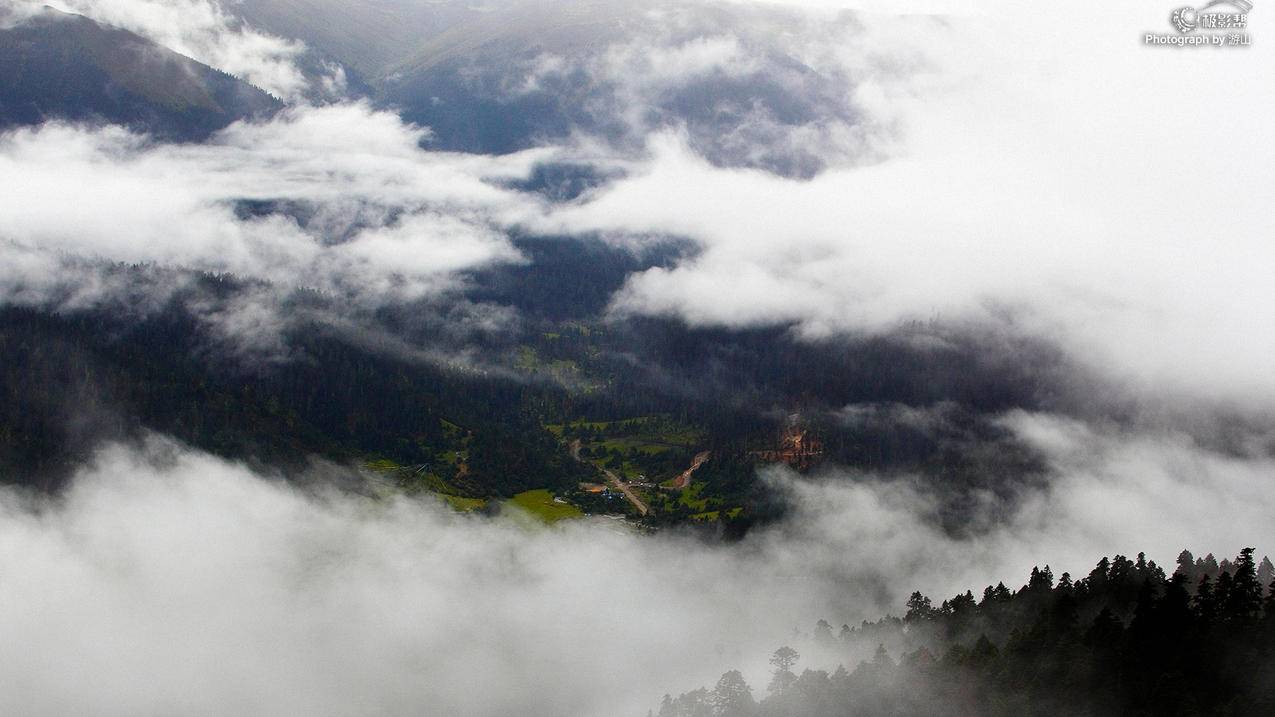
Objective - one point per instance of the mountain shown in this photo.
(503, 76)
(366, 36)
(62, 66)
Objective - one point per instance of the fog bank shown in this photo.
(169, 581)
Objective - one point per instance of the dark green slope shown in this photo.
(60, 66)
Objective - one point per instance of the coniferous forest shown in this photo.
(1126, 639)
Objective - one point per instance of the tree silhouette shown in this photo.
(1244, 601)
(783, 660)
(732, 697)
(1124, 640)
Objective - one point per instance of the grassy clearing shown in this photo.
(629, 443)
(714, 515)
(464, 505)
(624, 426)
(383, 465)
(415, 483)
(690, 497)
(527, 359)
(541, 504)
(559, 428)
(642, 441)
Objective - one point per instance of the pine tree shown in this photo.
(1205, 601)
(919, 608)
(732, 697)
(1186, 566)
(784, 659)
(1244, 600)
(1266, 571)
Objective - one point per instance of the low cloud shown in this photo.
(204, 31)
(1069, 187)
(172, 581)
(969, 194)
(750, 86)
(1110, 491)
(17, 13)
(340, 199)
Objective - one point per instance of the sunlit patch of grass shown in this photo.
(383, 465)
(690, 497)
(541, 504)
(464, 505)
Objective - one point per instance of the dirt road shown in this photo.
(614, 480)
(684, 480)
(623, 487)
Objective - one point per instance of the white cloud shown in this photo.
(680, 63)
(408, 261)
(204, 31)
(1111, 196)
(414, 218)
(194, 586)
(170, 581)
(14, 13)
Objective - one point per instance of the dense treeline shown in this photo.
(68, 382)
(886, 403)
(1124, 640)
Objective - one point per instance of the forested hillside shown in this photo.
(70, 382)
(1126, 639)
(493, 414)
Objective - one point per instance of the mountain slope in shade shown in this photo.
(542, 71)
(500, 76)
(62, 66)
(368, 37)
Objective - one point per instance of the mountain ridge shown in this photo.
(69, 67)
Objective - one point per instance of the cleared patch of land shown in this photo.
(464, 505)
(541, 503)
(643, 449)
